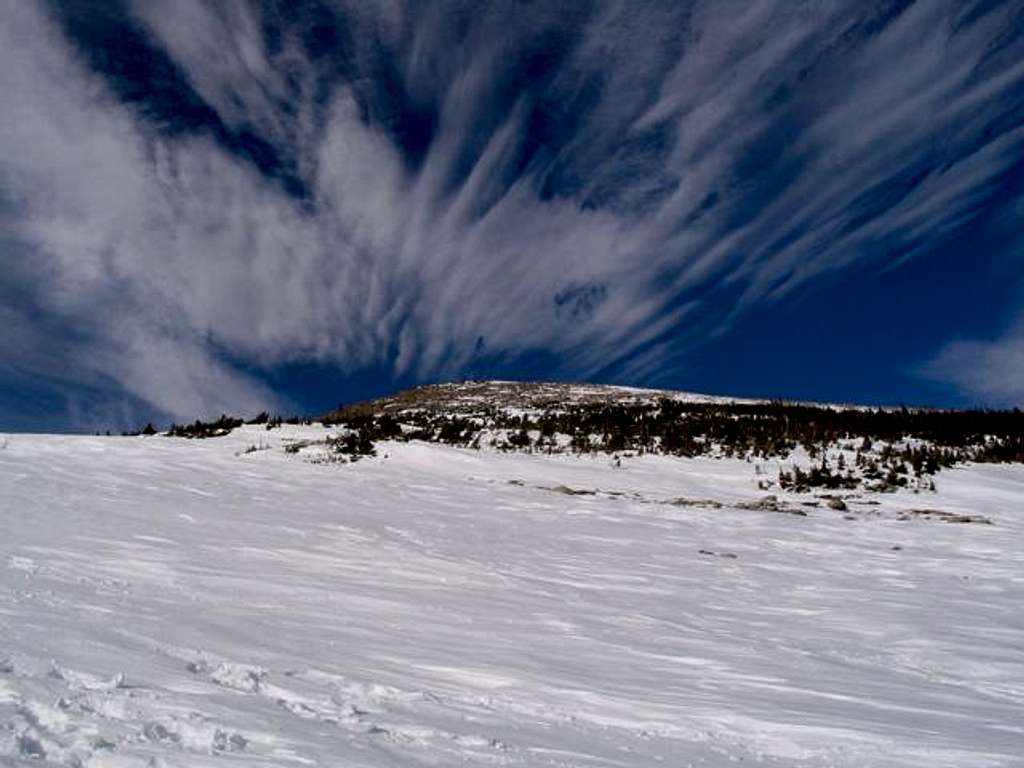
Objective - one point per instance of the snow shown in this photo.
(167, 602)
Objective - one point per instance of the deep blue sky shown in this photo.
(230, 206)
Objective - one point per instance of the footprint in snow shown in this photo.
(237, 677)
(85, 681)
(26, 565)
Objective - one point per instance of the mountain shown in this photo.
(472, 397)
(832, 446)
(270, 597)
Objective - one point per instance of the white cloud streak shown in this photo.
(168, 251)
(987, 372)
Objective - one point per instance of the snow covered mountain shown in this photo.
(249, 600)
(471, 396)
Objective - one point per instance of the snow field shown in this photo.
(168, 602)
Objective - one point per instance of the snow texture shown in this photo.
(171, 602)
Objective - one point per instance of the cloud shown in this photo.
(989, 372)
(93, 214)
(378, 185)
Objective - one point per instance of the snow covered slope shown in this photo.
(172, 602)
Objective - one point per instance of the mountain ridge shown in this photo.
(465, 393)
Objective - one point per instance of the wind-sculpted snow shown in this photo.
(169, 602)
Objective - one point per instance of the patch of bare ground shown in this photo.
(698, 503)
(943, 516)
(771, 503)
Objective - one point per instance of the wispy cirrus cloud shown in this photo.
(207, 190)
(986, 372)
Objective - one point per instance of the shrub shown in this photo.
(201, 430)
(355, 444)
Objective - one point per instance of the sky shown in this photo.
(233, 206)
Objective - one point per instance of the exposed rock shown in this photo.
(564, 489)
(700, 503)
(771, 503)
(710, 553)
(944, 516)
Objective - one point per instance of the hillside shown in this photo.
(474, 397)
(836, 447)
(260, 598)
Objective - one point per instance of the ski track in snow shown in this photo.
(170, 602)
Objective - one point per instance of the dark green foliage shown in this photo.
(520, 439)
(999, 451)
(819, 476)
(147, 430)
(581, 443)
(354, 444)
(387, 428)
(757, 430)
(456, 432)
(885, 448)
(200, 429)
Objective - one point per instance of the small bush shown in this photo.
(354, 445)
(201, 430)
